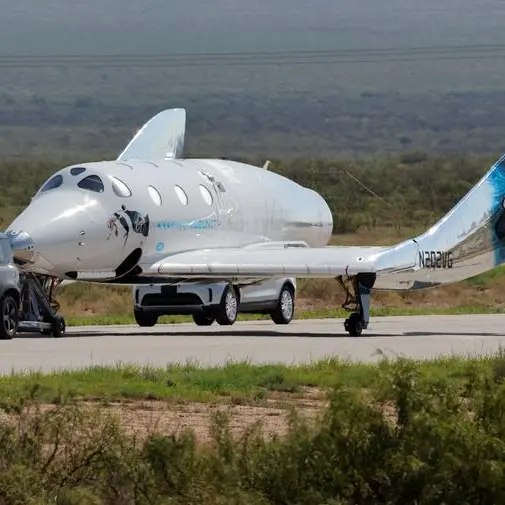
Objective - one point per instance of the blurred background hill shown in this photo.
(447, 99)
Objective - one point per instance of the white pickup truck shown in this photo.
(215, 301)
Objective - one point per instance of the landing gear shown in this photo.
(38, 308)
(357, 302)
(354, 325)
(58, 327)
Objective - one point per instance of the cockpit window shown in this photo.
(77, 170)
(120, 188)
(92, 183)
(53, 183)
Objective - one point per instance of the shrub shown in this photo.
(410, 437)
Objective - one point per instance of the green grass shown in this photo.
(235, 382)
(187, 381)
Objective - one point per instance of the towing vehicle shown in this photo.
(26, 301)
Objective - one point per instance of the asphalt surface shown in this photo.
(259, 342)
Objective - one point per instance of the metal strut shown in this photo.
(350, 303)
(39, 309)
(358, 301)
(49, 285)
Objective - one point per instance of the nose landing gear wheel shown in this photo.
(227, 310)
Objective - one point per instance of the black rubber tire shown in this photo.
(145, 320)
(59, 327)
(9, 309)
(285, 308)
(354, 325)
(227, 311)
(203, 319)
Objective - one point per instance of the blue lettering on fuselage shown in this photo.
(188, 225)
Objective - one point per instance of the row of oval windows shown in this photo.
(94, 183)
(156, 197)
(122, 190)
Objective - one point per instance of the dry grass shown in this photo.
(84, 300)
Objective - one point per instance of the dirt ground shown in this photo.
(143, 417)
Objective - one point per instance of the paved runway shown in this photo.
(261, 341)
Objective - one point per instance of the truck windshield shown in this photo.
(5, 251)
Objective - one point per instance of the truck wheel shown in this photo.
(10, 317)
(203, 319)
(144, 319)
(227, 310)
(285, 308)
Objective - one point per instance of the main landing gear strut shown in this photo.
(38, 308)
(357, 302)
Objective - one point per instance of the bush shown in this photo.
(409, 438)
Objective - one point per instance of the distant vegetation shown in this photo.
(238, 123)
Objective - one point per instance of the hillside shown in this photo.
(443, 101)
(110, 26)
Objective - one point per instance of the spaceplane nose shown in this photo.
(22, 245)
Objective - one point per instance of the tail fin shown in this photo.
(160, 138)
(467, 241)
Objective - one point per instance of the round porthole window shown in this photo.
(206, 195)
(155, 195)
(181, 195)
